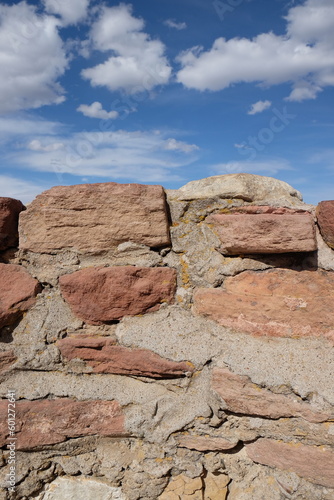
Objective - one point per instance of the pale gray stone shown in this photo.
(75, 488)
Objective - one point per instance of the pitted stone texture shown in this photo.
(17, 293)
(276, 303)
(248, 187)
(9, 216)
(325, 218)
(92, 218)
(75, 488)
(183, 487)
(205, 443)
(316, 464)
(242, 396)
(6, 360)
(103, 294)
(105, 357)
(264, 233)
(46, 422)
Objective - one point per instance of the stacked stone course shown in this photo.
(168, 344)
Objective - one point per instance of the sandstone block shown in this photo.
(105, 357)
(6, 360)
(242, 396)
(85, 488)
(277, 303)
(91, 218)
(50, 421)
(101, 294)
(183, 487)
(264, 233)
(9, 216)
(202, 443)
(316, 464)
(216, 486)
(325, 218)
(17, 292)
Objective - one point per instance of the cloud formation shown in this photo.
(175, 25)
(258, 107)
(71, 12)
(95, 110)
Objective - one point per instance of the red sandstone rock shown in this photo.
(95, 217)
(17, 292)
(325, 217)
(267, 209)
(9, 215)
(314, 463)
(202, 443)
(101, 294)
(6, 360)
(242, 396)
(45, 422)
(264, 233)
(104, 357)
(277, 303)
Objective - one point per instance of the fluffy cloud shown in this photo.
(138, 63)
(32, 58)
(269, 167)
(71, 12)
(95, 110)
(175, 25)
(303, 56)
(174, 145)
(259, 106)
(20, 189)
(36, 145)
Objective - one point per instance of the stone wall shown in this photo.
(167, 344)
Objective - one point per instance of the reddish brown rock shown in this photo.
(95, 217)
(267, 209)
(242, 396)
(50, 421)
(6, 360)
(314, 463)
(105, 357)
(277, 303)
(17, 292)
(262, 233)
(101, 294)
(203, 443)
(9, 216)
(325, 218)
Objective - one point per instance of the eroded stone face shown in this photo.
(17, 292)
(7, 358)
(205, 443)
(325, 218)
(91, 218)
(102, 294)
(9, 215)
(316, 464)
(275, 303)
(85, 488)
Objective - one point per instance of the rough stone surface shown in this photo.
(17, 292)
(48, 422)
(248, 187)
(325, 255)
(273, 303)
(205, 443)
(103, 294)
(242, 396)
(6, 360)
(183, 487)
(9, 216)
(94, 218)
(316, 464)
(75, 488)
(264, 233)
(104, 357)
(325, 218)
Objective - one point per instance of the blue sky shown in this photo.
(166, 91)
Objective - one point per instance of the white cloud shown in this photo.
(20, 189)
(269, 167)
(304, 56)
(32, 58)
(70, 11)
(95, 110)
(174, 145)
(259, 106)
(138, 63)
(36, 145)
(175, 25)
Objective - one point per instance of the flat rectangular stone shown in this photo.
(264, 233)
(325, 219)
(91, 218)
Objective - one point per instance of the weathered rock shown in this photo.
(205, 443)
(95, 217)
(325, 218)
(105, 357)
(216, 486)
(71, 488)
(17, 292)
(242, 396)
(264, 233)
(277, 303)
(50, 421)
(103, 294)
(248, 187)
(6, 360)
(316, 464)
(183, 487)
(9, 216)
